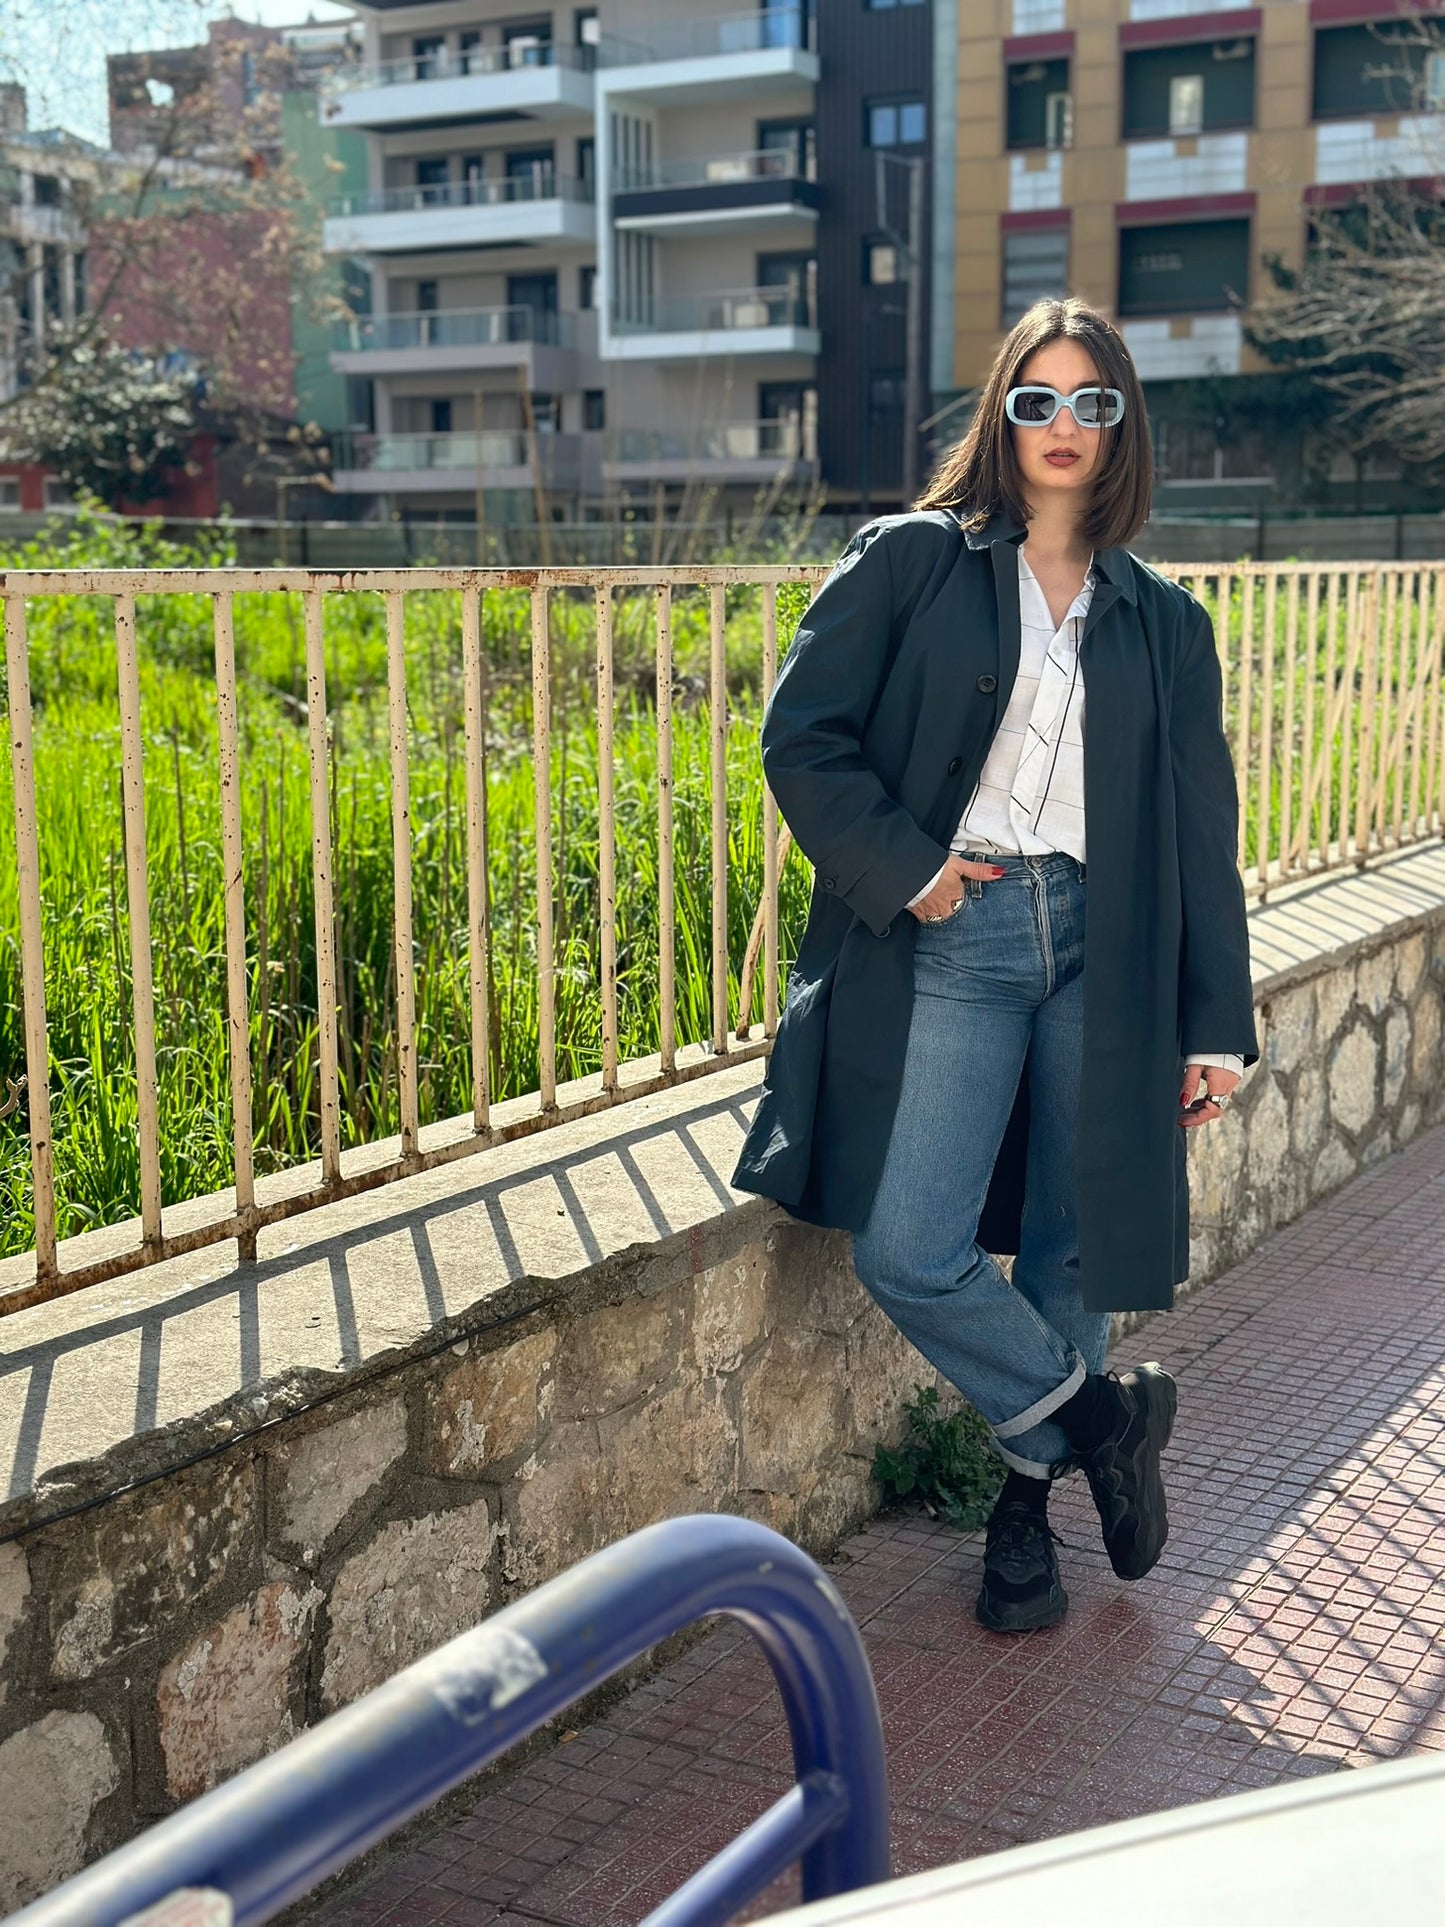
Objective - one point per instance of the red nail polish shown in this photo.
(997, 869)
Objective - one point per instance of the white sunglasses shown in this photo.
(1036, 406)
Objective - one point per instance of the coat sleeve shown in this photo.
(1216, 996)
(862, 843)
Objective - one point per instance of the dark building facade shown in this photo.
(875, 117)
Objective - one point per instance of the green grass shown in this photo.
(86, 926)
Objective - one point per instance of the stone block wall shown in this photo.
(1350, 1069)
(162, 1640)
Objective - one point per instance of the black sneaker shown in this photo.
(1021, 1587)
(1124, 1474)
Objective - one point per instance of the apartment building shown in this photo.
(633, 253)
(1151, 156)
(48, 181)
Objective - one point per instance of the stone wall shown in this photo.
(1350, 1069)
(158, 1642)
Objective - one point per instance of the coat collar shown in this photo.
(1115, 566)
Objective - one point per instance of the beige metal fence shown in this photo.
(1332, 695)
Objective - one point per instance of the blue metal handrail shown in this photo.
(272, 1833)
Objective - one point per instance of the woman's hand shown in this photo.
(947, 893)
(1217, 1082)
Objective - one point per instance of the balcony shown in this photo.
(715, 57)
(448, 464)
(757, 452)
(533, 80)
(44, 222)
(694, 198)
(536, 207)
(739, 321)
(460, 338)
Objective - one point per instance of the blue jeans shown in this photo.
(1001, 979)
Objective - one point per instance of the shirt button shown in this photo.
(955, 766)
(987, 684)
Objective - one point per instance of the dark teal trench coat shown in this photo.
(872, 743)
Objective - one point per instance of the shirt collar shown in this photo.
(1114, 566)
(1080, 603)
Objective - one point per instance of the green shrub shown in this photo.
(947, 1465)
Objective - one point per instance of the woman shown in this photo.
(967, 1064)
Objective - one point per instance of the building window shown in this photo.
(57, 493)
(1186, 104)
(9, 494)
(1039, 108)
(427, 53)
(594, 409)
(587, 27)
(788, 420)
(427, 301)
(887, 6)
(1188, 90)
(885, 395)
(895, 123)
(47, 190)
(1187, 267)
(795, 141)
(881, 265)
(587, 159)
(1035, 268)
(587, 287)
(431, 180)
(529, 46)
(441, 417)
(1383, 68)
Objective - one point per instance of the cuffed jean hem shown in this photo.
(1025, 1421)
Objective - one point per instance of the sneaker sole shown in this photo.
(1016, 1619)
(1159, 1395)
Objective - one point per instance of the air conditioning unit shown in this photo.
(1233, 49)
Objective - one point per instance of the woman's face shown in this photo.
(1060, 457)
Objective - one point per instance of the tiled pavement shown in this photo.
(1294, 1626)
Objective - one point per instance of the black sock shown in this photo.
(1019, 1489)
(1091, 1414)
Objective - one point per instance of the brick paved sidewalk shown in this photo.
(1294, 1626)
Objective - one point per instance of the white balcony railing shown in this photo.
(762, 30)
(762, 164)
(727, 309)
(718, 443)
(457, 64)
(540, 185)
(452, 328)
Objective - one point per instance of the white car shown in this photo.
(1346, 1850)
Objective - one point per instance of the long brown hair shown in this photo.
(980, 476)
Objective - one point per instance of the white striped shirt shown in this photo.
(1029, 797)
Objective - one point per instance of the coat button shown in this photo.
(886, 928)
(955, 766)
(987, 684)
(829, 882)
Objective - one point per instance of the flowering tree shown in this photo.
(110, 422)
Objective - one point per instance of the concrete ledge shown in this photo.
(239, 1499)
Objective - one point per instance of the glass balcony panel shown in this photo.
(736, 33)
(541, 185)
(453, 64)
(452, 328)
